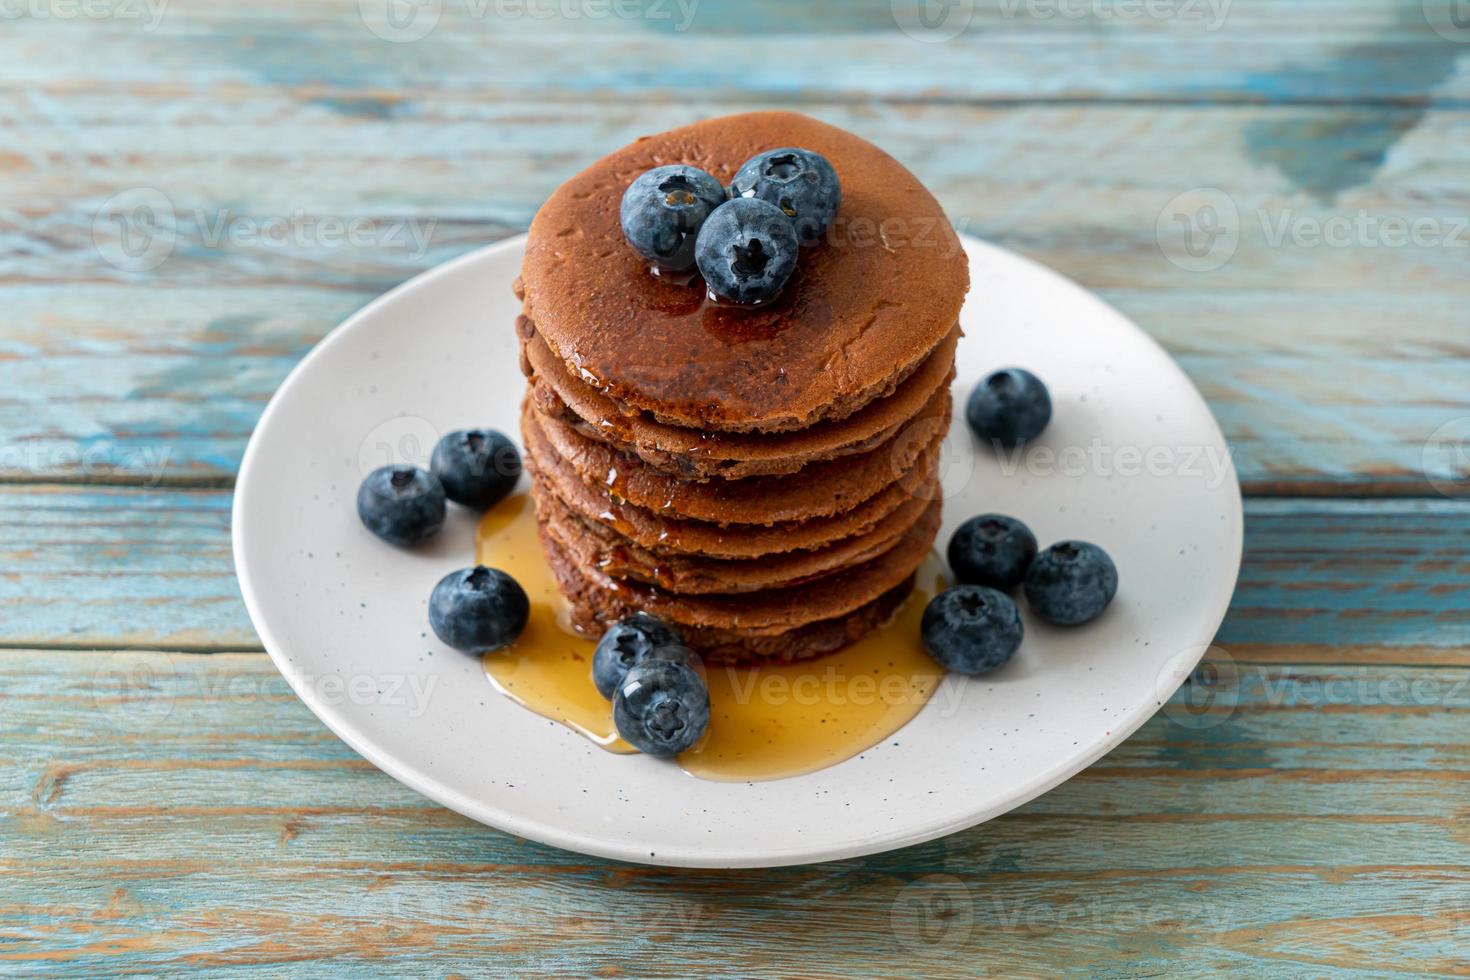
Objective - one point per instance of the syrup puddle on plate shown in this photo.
(766, 722)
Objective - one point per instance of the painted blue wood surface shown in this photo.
(167, 805)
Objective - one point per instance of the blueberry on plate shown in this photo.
(477, 610)
(403, 505)
(747, 251)
(992, 550)
(478, 467)
(799, 182)
(663, 211)
(628, 643)
(1009, 407)
(1071, 583)
(971, 629)
(662, 708)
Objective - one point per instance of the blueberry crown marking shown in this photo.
(478, 578)
(783, 167)
(750, 260)
(1000, 381)
(677, 191)
(1065, 552)
(971, 604)
(666, 719)
(402, 478)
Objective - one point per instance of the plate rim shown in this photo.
(509, 821)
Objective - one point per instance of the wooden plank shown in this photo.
(1334, 582)
(1331, 366)
(1065, 50)
(1321, 841)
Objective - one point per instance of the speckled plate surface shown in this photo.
(1133, 461)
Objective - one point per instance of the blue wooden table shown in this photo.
(193, 193)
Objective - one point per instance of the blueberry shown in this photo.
(747, 251)
(1009, 407)
(972, 629)
(663, 211)
(403, 505)
(662, 708)
(478, 610)
(1071, 583)
(799, 182)
(628, 643)
(992, 550)
(478, 468)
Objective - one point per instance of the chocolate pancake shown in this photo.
(773, 611)
(595, 545)
(661, 534)
(864, 309)
(760, 626)
(818, 490)
(591, 614)
(695, 454)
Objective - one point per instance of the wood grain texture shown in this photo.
(168, 806)
(1248, 841)
(113, 567)
(121, 374)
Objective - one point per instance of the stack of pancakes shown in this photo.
(765, 479)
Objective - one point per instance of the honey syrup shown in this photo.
(766, 722)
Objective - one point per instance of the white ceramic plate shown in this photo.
(1133, 461)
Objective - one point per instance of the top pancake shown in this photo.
(865, 306)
